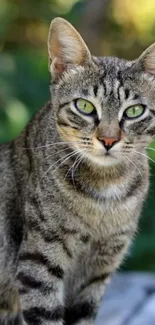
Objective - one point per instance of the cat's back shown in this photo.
(6, 167)
(11, 223)
(8, 189)
(5, 150)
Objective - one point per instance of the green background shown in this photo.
(119, 28)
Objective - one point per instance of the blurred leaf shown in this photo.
(8, 13)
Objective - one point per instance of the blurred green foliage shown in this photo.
(120, 28)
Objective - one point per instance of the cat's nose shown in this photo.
(108, 142)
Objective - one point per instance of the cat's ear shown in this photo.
(65, 47)
(147, 60)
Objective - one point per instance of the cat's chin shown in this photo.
(106, 160)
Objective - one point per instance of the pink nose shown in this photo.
(108, 142)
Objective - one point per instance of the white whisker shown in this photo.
(74, 164)
(49, 145)
(75, 168)
(134, 165)
(149, 148)
(71, 167)
(142, 154)
(65, 158)
(56, 153)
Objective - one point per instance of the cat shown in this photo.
(72, 185)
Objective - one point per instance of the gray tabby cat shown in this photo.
(73, 184)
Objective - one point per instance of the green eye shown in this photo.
(134, 111)
(84, 106)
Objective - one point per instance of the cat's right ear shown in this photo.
(146, 61)
(65, 47)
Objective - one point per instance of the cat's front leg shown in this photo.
(85, 306)
(98, 270)
(40, 280)
(84, 309)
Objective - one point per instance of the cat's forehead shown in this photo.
(113, 68)
(106, 69)
(110, 78)
(112, 74)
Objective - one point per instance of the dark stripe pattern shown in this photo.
(35, 315)
(99, 278)
(69, 231)
(76, 184)
(151, 132)
(105, 251)
(102, 81)
(63, 105)
(28, 151)
(95, 280)
(119, 77)
(134, 185)
(136, 96)
(83, 310)
(50, 236)
(152, 111)
(35, 202)
(127, 93)
(29, 281)
(65, 125)
(39, 258)
(54, 237)
(95, 90)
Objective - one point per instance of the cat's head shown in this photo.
(104, 107)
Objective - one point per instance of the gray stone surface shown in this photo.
(129, 300)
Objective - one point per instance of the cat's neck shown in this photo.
(94, 181)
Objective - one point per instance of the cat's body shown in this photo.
(66, 219)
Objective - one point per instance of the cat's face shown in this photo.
(104, 107)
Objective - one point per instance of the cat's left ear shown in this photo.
(147, 60)
(65, 47)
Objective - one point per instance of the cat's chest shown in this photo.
(109, 212)
(114, 192)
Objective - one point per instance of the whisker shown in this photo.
(142, 154)
(73, 171)
(76, 161)
(70, 168)
(149, 148)
(75, 168)
(49, 145)
(134, 165)
(65, 158)
(56, 153)
(57, 166)
(55, 163)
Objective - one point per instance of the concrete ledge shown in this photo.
(129, 300)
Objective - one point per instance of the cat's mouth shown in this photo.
(105, 158)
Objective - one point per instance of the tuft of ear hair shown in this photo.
(65, 47)
(147, 60)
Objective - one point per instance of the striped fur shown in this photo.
(68, 211)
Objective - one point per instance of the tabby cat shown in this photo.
(73, 183)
